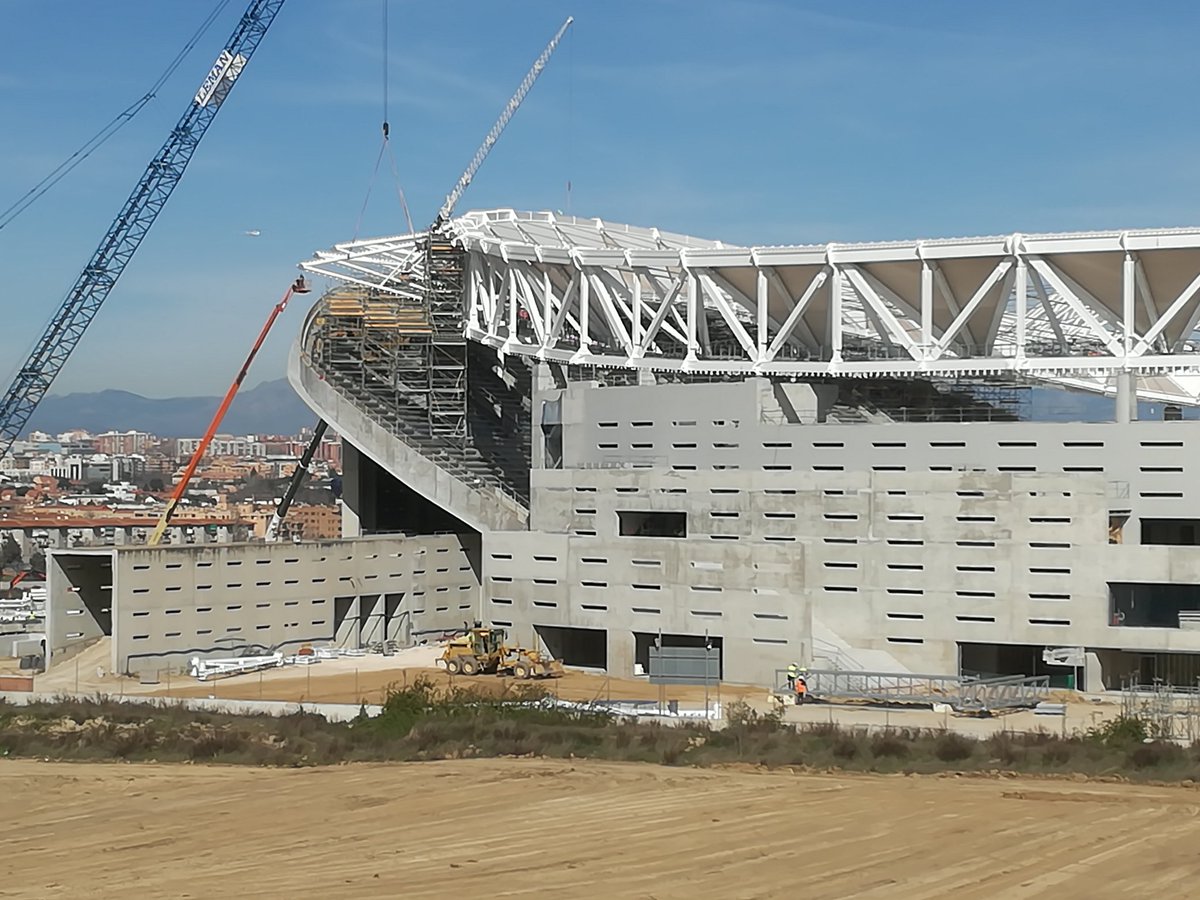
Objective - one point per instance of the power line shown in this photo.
(102, 136)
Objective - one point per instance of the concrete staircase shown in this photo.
(831, 652)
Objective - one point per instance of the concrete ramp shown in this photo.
(836, 653)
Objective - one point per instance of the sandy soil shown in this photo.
(363, 679)
(328, 683)
(515, 827)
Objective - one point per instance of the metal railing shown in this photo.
(963, 694)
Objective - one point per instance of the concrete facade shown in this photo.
(917, 537)
(162, 606)
(879, 545)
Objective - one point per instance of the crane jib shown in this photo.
(220, 78)
(126, 232)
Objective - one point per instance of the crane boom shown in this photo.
(510, 109)
(127, 231)
(300, 286)
(306, 458)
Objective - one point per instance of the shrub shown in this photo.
(1057, 753)
(845, 747)
(1120, 732)
(740, 716)
(1154, 754)
(888, 745)
(951, 747)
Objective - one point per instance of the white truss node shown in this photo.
(1072, 308)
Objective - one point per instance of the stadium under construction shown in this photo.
(609, 438)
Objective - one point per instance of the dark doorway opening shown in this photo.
(585, 647)
(1184, 532)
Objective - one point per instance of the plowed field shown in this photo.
(485, 828)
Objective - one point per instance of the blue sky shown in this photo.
(753, 122)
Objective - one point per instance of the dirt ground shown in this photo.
(326, 684)
(423, 830)
(363, 679)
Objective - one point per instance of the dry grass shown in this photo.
(425, 722)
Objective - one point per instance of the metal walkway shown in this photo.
(895, 689)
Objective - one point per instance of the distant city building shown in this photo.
(222, 445)
(122, 442)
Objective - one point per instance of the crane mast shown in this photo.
(130, 227)
(497, 129)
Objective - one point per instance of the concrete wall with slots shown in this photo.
(749, 595)
(173, 603)
(920, 536)
(909, 564)
(755, 424)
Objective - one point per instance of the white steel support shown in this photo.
(795, 317)
(664, 308)
(1021, 287)
(621, 296)
(1048, 311)
(1143, 286)
(636, 333)
(960, 320)
(926, 309)
(835, 313)
(1166, 318)
(1059, 282)
(761, 314)
(952, 305)
(891, 328)
(693, 309)
(585, 312)
(799, 332)
(1128, 307)
(709, 288)
(998, 315)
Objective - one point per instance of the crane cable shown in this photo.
(385, 146)
(101, 137)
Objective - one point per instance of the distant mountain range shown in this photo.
(270, 408)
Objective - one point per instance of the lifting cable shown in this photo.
(570, 114)
(386, 145)
(97, 140)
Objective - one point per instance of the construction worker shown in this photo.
(801, 689)
(792, 671)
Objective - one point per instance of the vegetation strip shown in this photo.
(424, 722)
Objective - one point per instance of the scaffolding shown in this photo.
(1169, 712)
(447, 346)
(400, 356)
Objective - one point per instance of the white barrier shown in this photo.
(204, 669)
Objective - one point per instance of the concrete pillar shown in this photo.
(620, 652)
(1126, 397)
(351, 491)
(122, 536)
(224, 534)
(541, 389)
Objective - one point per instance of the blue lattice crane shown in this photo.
(125, 234)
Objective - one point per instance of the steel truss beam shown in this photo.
(594, 293)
